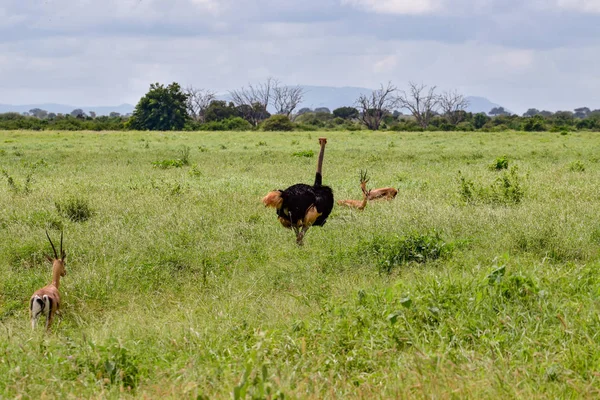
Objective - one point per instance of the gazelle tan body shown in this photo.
(382, 193)
(46, 300)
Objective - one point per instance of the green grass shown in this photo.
(180, 284)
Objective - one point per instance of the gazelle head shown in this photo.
(58, 261)
(363, 182)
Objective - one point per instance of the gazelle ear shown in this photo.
(63, 256)
(48, 258)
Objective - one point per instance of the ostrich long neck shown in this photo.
(319, 177)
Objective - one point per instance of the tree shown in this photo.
(254, 100)
(374, 106)
(286, 98)
(498, 111)
(346, 112)
(219, 110)
(93, 114)
(453, 106)
(479, 120)
(420, 101)
(77, 113)
(580, 112)
(531, 112)
(198, 101)
(114, 114)
(303, 111)
(38, 113)
(322, 110)
(161, 109)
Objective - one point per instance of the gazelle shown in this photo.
(47, 299)
(358, 204)
(382, 193)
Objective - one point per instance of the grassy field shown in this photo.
(180, 284)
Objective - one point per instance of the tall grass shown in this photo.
(180, 284)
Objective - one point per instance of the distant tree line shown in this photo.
(418, 108)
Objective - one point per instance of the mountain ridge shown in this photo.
(315, 96)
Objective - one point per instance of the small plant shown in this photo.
(195, 171)
(184, 155)
(25, 188)
(304, 153)
(500, 163)
(294, 143)
(74, 208)
(116, 365)
(577, 166)
(165, 164)
(222, 147)
(467, 189)
(564, 132)
(261, 144)
(183, 160)
(202, 149)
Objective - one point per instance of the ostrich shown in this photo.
(301, 206)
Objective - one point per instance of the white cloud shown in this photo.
(579, 5)
(396, 6)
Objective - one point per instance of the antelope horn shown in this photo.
(52, 244)
(61, 249)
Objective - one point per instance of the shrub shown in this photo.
(500, 163)
(183, 160)
(534, 124)
(278, 123)
(577, 166)
(506, 189)
(304, 153)
(74, 208)
(390, 251)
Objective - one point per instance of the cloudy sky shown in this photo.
(519, 53)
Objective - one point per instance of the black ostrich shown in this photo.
(301, 206)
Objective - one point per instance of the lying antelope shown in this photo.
(387, 193)
(47, 299)
(359, 204)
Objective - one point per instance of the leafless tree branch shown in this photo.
(453, 105)
(420, 101)
(254, 100)
(286, 98)
(198, 101)
(375, 106)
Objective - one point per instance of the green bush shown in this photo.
(74, 208)
(500, 163)
(534, 124)
(391, 251)
(506, 189)
(278, 123)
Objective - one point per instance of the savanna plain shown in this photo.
(479, 280)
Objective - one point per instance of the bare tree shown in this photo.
(254, 100)
(420, 101)
(453, 105)
(286, 98)
(198, 101)
(373, 107)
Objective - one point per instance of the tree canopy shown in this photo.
(161, 109)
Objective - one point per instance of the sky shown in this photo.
(518, 53)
